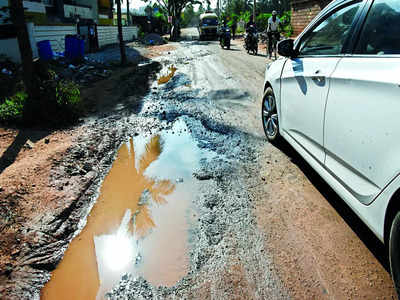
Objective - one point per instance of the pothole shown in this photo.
(166, 78)
(140, 222)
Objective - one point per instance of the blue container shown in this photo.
(74, 47)
(70, 51)
(45, 52)
(81, 47)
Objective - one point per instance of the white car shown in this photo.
(334, 95)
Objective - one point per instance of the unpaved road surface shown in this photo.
(201, 192)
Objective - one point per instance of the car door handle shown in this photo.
(318, 76)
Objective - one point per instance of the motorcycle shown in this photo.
(225, 38)
(251, 41)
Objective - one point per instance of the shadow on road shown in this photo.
(356, 224)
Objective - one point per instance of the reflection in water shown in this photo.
(165, 79)
(138, 224)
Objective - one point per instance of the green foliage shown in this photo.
(11, 109)
(59, 104)
(286, 23)
(67, 95)
(262, 21)
(190, 17)
(245, 16)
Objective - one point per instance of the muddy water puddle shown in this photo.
(139, 224)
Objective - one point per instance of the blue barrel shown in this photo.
(70, 46)
(45, 52)
(81, 47)
(74, 47)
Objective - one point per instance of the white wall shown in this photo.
(109, 34)
(55, 34)
(10, 48)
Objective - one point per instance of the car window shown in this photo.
(381, 32)
(330, 35)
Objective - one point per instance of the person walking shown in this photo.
(234, 27)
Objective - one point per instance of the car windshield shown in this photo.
(210, 21)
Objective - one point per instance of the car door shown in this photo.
(362, 124)
(305, 79)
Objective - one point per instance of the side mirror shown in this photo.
(286, 48)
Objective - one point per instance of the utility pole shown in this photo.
(254, 11)
(128, 14)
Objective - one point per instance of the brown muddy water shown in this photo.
(139, 224)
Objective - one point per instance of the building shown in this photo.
(52, 20)
(303, 11)
(48, 12)
(124, 19)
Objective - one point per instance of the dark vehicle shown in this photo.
(251, 40)
(208, 26)
(225, 37)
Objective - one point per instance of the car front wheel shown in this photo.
(394, 252)
(270, 116)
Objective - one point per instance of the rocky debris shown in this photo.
(29, 144)
(203, 176)
(82, 72)
(111, 54)
(153, 39)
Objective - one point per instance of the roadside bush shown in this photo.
(59, 104)
(286, 20)
(68, 95)
(12, 108)
(262, 21)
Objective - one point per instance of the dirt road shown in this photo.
(206, 207)
(293, 237)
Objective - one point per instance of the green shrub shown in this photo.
(11, 109)
(286, 22)
(58, 104)
(68, 94)
(262, 21)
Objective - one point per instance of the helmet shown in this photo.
(274, 13)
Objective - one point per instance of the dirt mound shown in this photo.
(153, 39)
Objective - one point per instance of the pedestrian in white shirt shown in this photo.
(274, 25)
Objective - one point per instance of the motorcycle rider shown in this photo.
(274, 23)
(251, 30)
(222, 30)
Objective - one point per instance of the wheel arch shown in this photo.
(267, 85)
(392, 209)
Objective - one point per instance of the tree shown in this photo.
(17, 17)
(128, 13)
(189, 16)
(120, 35)
(174, 9)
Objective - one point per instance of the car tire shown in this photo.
(269, 115)
(394, 252)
